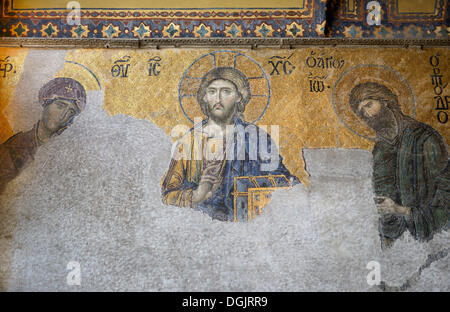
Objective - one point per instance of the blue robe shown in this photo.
(220, 205)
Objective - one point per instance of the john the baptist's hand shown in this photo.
(386, 205)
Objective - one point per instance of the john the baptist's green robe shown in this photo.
(414, 172)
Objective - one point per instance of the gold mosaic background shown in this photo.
(306, 119)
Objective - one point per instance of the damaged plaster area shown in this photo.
(92, 195)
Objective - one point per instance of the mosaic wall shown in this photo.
(166, 19)
(224, 169)
(112, 154)
(219, 19)
(390, 19)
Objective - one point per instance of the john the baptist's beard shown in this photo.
(384, 123)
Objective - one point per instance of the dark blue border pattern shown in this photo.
(306, 21)
(317, 18)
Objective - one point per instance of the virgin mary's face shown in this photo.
(58, 115)
(221, 97)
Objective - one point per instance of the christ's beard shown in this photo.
(220, 118)
(384, 123)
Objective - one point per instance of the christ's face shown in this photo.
(58, 115)
(221, 97)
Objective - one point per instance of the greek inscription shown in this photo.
(440, 100)
(6, 66)
(120, 67)
(281, 65)
(154, 65)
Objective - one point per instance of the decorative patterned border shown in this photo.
(309, 23)
(394, 25)
(440, 8)
(179, 29)
(250, 43)
(345, 14)
(304, 11)
(139, 23)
